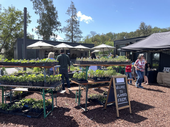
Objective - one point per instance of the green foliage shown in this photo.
(72, 68)
(103, 59)
(102, 73)
(37, 69)
(4, 106)
(73, 33)
(99, 97)
(75, 75)
(29, 61)
(48, 18)
(91, 73)
(80, 75)
(109, 38)
(29, 78)
(12, 28)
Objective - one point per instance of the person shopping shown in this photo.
(147, 69)
(128, 73)
(64, 62)
(51, 70)
(139, 67)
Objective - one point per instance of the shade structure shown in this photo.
(63, 46)
(40, 45)
(103, 47)
(96, 51)
(81, 48)
(155, 41)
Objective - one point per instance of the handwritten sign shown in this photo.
(121, 92)
(118, 93)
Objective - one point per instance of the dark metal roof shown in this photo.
(130, 39)
(30, 41)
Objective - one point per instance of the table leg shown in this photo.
(2, 95)
(79, 96)
(44, 103)
(52, 100)
(10, 95)
(44, 75)
(86, 97)
(86, 71)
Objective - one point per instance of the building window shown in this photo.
(155, 60)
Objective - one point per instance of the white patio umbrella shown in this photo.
(81, 48)
(103, 47)
(40, 45)
(63, 46)
(96, 51)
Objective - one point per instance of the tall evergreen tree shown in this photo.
(73, 33)
(48, 21)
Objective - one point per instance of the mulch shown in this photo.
(150, 107)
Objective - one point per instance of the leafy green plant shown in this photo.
(75, 75)
(81, 75)
(91, 73)
(4, 106)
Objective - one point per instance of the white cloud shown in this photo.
(34, 29)
(86, 19)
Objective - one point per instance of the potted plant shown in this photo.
(40, 80)
(75, 76)
(81, 77)
(3, 107)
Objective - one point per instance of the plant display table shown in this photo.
(88, 84)
(43, 89)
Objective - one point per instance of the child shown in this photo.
(128, 73)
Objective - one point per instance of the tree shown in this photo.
(12, 28)
(48, 18)
(73, 33)
(145, 29)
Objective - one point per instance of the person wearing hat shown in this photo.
(64, 62)
(140, 67)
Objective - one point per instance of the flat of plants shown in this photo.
(24, 62)
(31, 80)
(103, 60)
(31, 108)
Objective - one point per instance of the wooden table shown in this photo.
(86, 85)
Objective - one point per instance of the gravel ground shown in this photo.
(150, 107)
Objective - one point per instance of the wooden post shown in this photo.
(114, 86)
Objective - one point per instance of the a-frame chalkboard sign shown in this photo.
(118, 93)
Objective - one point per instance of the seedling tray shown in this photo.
(31, 114)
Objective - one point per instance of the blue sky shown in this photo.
(103, 16)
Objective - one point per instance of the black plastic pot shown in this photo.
(41, 83)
